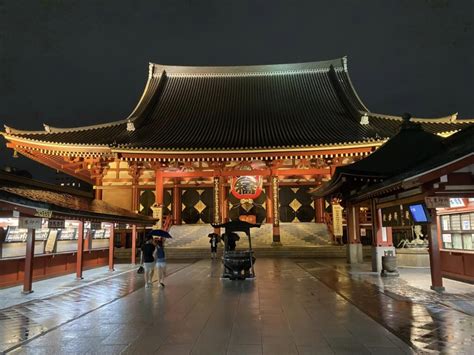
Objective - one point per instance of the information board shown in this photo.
(56, 223)
(51, 241)
(337, 220)
(26, 222)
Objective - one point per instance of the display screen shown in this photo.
(419, 214)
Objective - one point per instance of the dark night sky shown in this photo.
(70, 63)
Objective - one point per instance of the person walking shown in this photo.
(231, 240)
(148, 249)
(161, 261)
(213, 240)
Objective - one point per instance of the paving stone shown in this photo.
(419, 318)
(285, 310)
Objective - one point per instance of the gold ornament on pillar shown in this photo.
(217, 216)
(276, 207)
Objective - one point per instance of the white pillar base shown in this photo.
(354, 253)
(377, 253)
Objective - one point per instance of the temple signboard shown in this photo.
(337, 220)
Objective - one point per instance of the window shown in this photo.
(458, 231)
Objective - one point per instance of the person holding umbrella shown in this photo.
(148, 249)
(161, 260)
(214, 240)
(160, 236)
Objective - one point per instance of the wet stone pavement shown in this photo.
(423, 319)
(285, 310)
(28, 320)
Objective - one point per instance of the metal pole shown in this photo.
(250, 253)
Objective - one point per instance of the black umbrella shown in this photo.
(159, 233)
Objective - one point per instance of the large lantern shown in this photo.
(246, 187)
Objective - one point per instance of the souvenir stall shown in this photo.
(47, 232)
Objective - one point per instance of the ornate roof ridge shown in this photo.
(340, 63)
(51, 129)
(452, 118)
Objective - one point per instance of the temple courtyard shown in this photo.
(294, 306)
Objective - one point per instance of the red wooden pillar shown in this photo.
(88, 240)
(135, 198)
(176, 203)
(134, 244)
(269, 203)
(319, 210)
(225, 204)
(111, 248)
(159, 196)
(435, 255)
(222, 199)
(382, 240)
(159, 187)
(354, 246)
(382, 236)
(29, 261)
(98, 189)
(80, 250)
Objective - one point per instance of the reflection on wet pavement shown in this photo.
(285, 310)
(28, 320)
(426, 324)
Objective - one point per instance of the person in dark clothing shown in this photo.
(148, 249)
(231, 240)
(214, 240)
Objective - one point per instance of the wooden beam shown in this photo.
(245, 155)
(111, 247)
(29, 261)
(80, 250)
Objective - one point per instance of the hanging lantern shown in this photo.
(246, 187)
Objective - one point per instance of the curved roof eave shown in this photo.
(452, 118)
(51, 144)
(109, 149)
(354, 91)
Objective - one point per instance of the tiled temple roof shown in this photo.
(63, 201)
(245, 107)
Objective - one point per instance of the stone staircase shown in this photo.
(299, 240)
(292, 234)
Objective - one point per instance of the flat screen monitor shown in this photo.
(419, 213)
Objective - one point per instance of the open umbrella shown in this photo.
(159, 233)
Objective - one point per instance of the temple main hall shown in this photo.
(211, 144)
